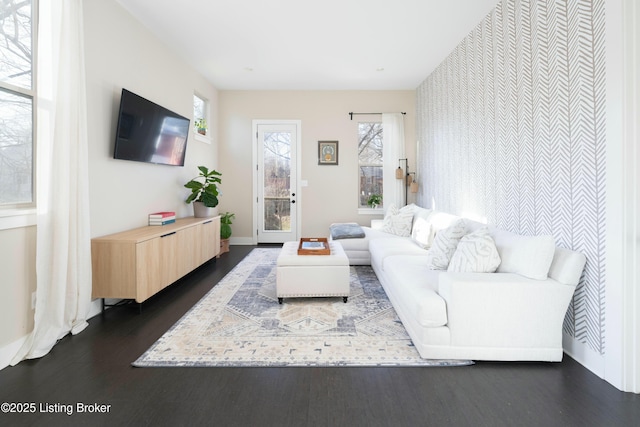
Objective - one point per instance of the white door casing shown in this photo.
(276, 192)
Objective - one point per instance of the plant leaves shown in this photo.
(225, 231)
(194, 185)
(191, 197)
(211, 189)
(209, 200)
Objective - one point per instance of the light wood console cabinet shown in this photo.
(136, 264)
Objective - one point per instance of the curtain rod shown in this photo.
(358, 114)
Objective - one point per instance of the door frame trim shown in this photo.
(254, 132)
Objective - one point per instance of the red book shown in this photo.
(162, 214)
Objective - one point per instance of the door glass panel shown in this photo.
(277, 181)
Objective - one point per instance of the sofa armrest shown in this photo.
(504, 309)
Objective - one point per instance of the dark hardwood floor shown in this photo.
(94, 367)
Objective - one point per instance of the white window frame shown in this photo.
(207, 117)
(24, 214)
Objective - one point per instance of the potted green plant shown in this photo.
(226, 219)
(201, 125)
(204, 192)
(374, 200)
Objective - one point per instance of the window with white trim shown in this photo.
(200, 115)
(17, 103)
(369, 162)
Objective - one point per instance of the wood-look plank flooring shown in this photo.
(94, 367)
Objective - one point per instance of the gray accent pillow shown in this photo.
(347, 230)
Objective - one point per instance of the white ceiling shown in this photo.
(312, 45)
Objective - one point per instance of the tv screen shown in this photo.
(149, 133)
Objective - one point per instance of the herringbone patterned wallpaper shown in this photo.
(511, 128)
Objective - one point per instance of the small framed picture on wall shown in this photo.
(327, 152)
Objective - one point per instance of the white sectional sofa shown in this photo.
(455, 312)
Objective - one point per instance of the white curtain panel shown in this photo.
(63, 254)
(393, 150)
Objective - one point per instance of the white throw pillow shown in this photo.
(398, 222)
(422, 230)
(476, 253)
(413, 208)
(529, 256)
(444, 245)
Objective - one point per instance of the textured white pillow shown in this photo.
(529, 256)
(444, 245)
(398, 222)
(476, 253)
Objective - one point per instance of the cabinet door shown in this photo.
(156, 265)
(113, 266)
(210, 232)
(189, 247)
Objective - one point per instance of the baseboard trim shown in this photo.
(242, 241)
(584, 355)
(8, 351)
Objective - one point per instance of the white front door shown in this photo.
(277, 197)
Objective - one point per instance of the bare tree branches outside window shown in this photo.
(369, 160)
(16, 102)
(15, 42)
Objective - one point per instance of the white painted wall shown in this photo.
(331, 194)
(120, 52)
(17, 283)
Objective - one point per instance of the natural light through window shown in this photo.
(200, 115)
(17, 94)
(370, 164)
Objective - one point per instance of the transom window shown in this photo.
(369, 161)
(17, 103)
(200, 115)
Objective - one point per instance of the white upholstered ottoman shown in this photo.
(312, 275)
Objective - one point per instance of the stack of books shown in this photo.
(162, 218)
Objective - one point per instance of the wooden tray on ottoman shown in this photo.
(314, 246)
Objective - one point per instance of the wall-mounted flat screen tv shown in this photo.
(148, 132)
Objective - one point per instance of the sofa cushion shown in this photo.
(415, 290)
(383, 248)
(444, 245)
(398, 221)
(476, 253)
(529, 256)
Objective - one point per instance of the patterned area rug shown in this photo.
(240, 323)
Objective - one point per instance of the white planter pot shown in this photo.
(201, 211)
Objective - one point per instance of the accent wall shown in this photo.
(511, 130)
